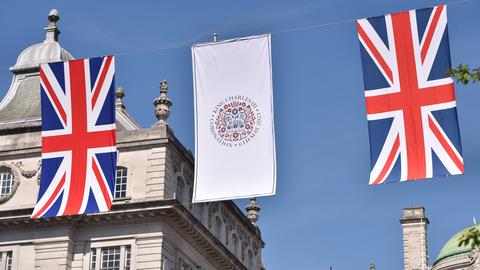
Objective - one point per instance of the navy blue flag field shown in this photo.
(410, 100)
(78, 137)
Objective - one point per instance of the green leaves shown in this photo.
(470, 238)
(463, 74)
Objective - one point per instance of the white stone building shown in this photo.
(453, 255)
(151, 225)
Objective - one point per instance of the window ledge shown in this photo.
(124, 199)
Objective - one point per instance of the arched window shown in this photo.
(235, 244)
(251, 262)
(6, 182)
(226, 236)
(217, 227)
(200, 208)
(242, 254)
(180, 189)
(121, 183)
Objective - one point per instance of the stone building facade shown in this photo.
(151, 225)
(453, 255)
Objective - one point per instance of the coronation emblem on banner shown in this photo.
(235, 121)
(234, 132)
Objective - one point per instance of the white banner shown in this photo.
(234, 132)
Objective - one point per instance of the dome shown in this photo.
(452, 248)
(21, 106)
(45, 52)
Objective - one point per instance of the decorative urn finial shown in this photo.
(253, 210)
(51, 30)
(162, 104)
(53, 17)
(119, 94)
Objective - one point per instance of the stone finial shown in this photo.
(162, 104)
(53, 17)
(372, 266)
(51, 30)
(119, 94)
(252, 211)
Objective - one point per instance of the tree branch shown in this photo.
(463, 74)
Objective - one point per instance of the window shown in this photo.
(121, 183)
(226, 238)
(250, 260)
(235, 244)
(128, 257)
(6, 260)
(180, 189)
(217, 227)
(6, 182)
(93, 259)
(9, 260)
(183, 265)
(111, 258)
(200, 209)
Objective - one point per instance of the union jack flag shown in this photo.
(411, 108)
(78, 137)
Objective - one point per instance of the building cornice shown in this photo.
(168, 211)
(415, 221)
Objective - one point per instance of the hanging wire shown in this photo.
(287, 30)
(189, 42)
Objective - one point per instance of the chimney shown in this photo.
(414, 226)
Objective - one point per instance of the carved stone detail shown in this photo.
(27, 173)
(252, 211)
(119, 94)
(162, 104)
(39, 176)
(473, 256)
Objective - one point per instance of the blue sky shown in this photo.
(324, 213)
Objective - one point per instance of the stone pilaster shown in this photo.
(414, 225)
(149, 252)
(54, 254)
(155, 184)
(80, 249)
